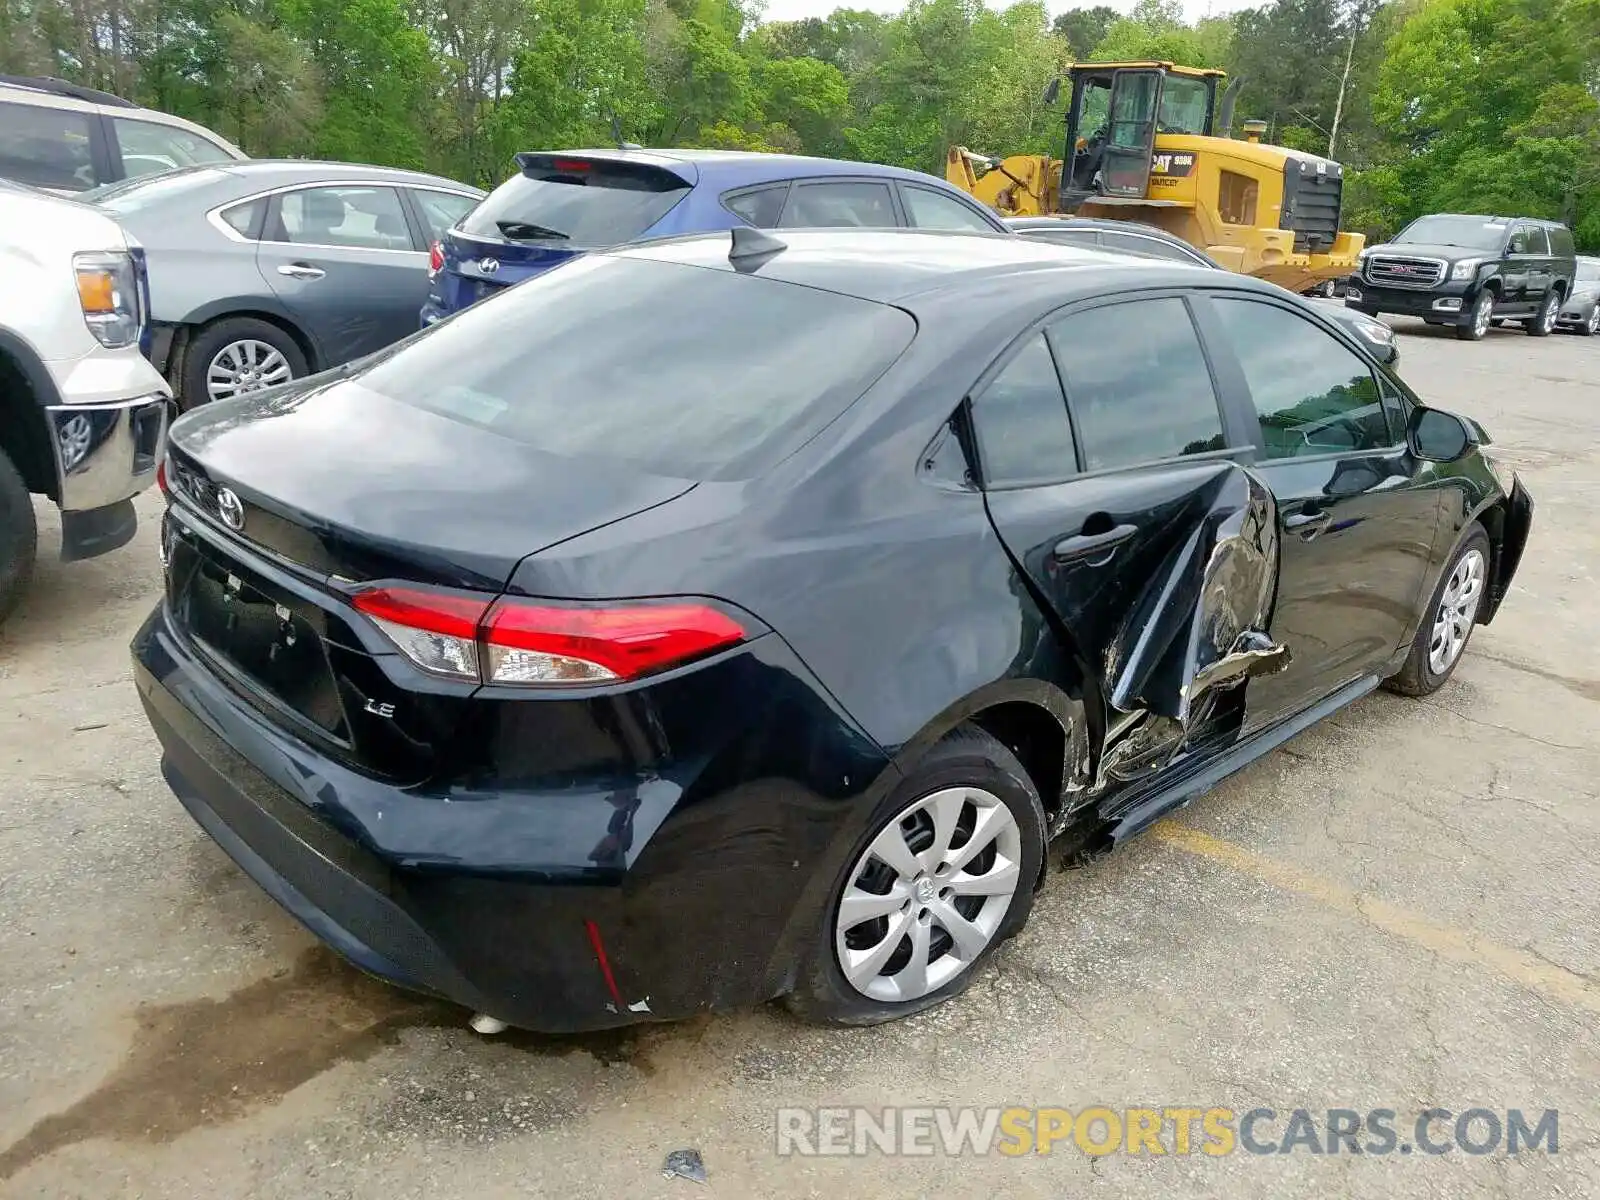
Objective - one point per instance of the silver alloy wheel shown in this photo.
(1458, 608)
(1593, 325)
(1482, 313)
(926, 898)
(1547, 314)
(245, 366)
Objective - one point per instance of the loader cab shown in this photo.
(1117, 112)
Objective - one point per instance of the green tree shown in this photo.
(1084, 28)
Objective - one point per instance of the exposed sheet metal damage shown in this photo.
(1198, 631)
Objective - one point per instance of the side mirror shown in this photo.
(1438, 436)
(1052, 92)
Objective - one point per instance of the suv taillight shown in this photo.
(482, 640)
(435, 259)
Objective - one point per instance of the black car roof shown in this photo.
(892, 265)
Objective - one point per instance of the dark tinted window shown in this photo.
(1137, 383)
(1521, 241)
(1021, 419)
(1560, 240)
(578, 202)
(928, 209)
(760, 208)
(827, 205)
(1150, 247)
(441, 210)
(45, 147)
(1312, 394)
(1538, 243)
(595, 359)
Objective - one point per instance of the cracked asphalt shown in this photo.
(1397, 910)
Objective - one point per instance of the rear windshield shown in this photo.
(132, 195)
(595, 359)
(582, 203)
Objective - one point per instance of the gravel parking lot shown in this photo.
(1397, 910)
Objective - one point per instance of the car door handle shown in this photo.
(301, 271)
(1308, 522)
(1085, 544)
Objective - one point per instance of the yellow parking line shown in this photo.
(1519, 966)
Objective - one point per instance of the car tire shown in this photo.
(19, 537)
(230, 345)
(1449, 615)
(999, 799)
(1475, 324)
(1545, 322)
(1592, 326)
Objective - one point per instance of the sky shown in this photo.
(795, 10)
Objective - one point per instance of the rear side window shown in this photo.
(245, 219)
(583, 203)
(1137, 383)
(148, 147)
(928, 209)
(1561, 240)
(1021, 421)
(595, 360)
(842, 204)
(45, 147)
(760, 207)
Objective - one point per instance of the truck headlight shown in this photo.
(108, 293)
(1466, 268)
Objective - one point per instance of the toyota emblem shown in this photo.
(230, 508)
(488, 265)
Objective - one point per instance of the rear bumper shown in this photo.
(496, 902)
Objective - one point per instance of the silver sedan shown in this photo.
(264, 271)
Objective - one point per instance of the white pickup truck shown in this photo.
(82, 411)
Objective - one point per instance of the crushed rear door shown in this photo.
(1163, 581)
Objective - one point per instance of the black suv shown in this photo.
(1469, 271)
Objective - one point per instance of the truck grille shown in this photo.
(1311, 204)
(1391, 270)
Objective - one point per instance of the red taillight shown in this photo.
(161, 479)
(521, 642)
(435, 259)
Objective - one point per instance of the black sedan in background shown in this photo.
(639, 666)
(1151, 241)
(263, 271)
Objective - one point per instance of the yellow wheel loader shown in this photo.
(1143, 145)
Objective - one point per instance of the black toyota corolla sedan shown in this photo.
(729, 618)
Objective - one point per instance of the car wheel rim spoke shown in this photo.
(928, 894)
(246, 366)
(1458, 608)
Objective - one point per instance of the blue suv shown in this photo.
(563, 203)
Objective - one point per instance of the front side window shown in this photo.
(1021, 421)
(1521, 241)
(1312, 394)
(840, 205)
(148, 147)
(1184, 103)
(1137, 383)
(45, 147)
(360, 218)
(928, 209)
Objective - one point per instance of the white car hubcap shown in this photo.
(1594, 320)
(1547, 314)
(1458, 608)
(1482, 313)
(245, 366)
(927, 897)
